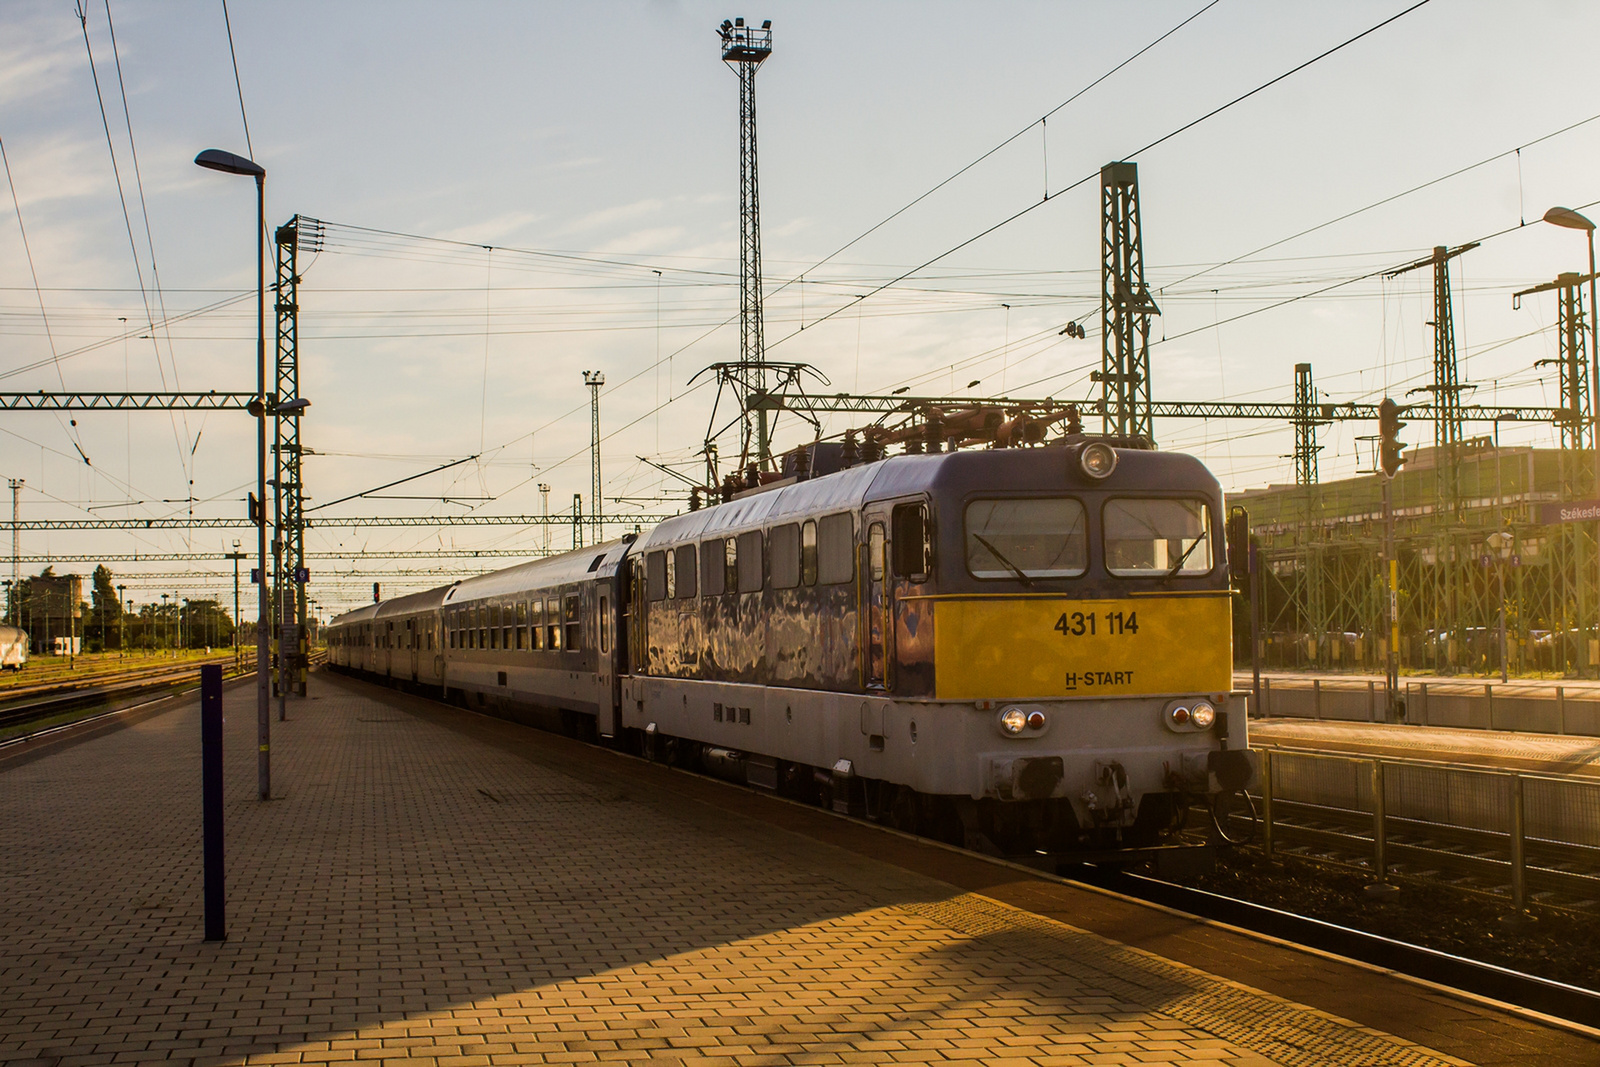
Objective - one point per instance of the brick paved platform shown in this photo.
(430, 885)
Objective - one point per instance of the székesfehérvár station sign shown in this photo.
(1578, 511)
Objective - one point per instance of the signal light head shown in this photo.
(1390, 447)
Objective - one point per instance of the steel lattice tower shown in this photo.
(594, 379)
(1446, 386)
(745, 48)
(1305, 426)
(1125, 307)
(288, 545)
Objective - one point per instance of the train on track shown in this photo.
(1022, 650)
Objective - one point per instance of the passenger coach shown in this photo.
(1017, 649)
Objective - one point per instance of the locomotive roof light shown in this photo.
(1098, 460)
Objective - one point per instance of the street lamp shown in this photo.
(1501, 542)
(1566, 217)
(228, 163)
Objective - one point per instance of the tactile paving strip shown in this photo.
(1289, 1034)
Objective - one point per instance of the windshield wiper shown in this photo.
(1022, 575)
(1176, 567)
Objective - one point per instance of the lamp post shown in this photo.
(1566, 217)
(1501, 542)
(236, 556)
(122, 624)
(228, 163)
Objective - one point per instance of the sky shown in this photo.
(512, 194)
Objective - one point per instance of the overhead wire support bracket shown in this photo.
(97, 401)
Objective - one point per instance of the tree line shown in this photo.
(40, 605)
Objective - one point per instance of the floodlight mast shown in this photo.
(745, 48)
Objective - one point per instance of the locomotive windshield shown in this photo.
(1145, 537)
(1038, 537)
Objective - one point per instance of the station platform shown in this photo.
(1496, 749)
(432, 885)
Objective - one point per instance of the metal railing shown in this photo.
(1498, 831)
(1521, 707)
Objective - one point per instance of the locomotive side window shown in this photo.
(713, 567)
(730, 564)
(910, 533)
(672, 574)
(836, 549)
(574, 623)
(808, 553)
(686, 571)
(656, 575)
(1027, 538)
(1157, 537)
(749, 560)
(875, 550)
(784, 544)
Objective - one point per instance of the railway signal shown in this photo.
(1390, 446)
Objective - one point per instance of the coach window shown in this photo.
(483, 626)
(535, 624)
(687, 587)
(655, 567)
(574, 622)
(836, 549)
(552, 624)
(750, 563)
(450, 628)
(910, 533)
(808, 553)
(784, 544)
(522, 625)
(494, 626)
(730, 564)
(1147, 537)
(713, 567)
(508, 623)
(605, 624)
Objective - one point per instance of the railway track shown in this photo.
(94, 699)
(1559, 874)
(1559, 999)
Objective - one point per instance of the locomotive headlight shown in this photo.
(1202, 715)
(1013, 721)
(1098, 460)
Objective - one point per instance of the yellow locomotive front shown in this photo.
(1080, 618)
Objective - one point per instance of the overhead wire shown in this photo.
(1191, 124)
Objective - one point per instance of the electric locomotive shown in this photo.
(1022, 650)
